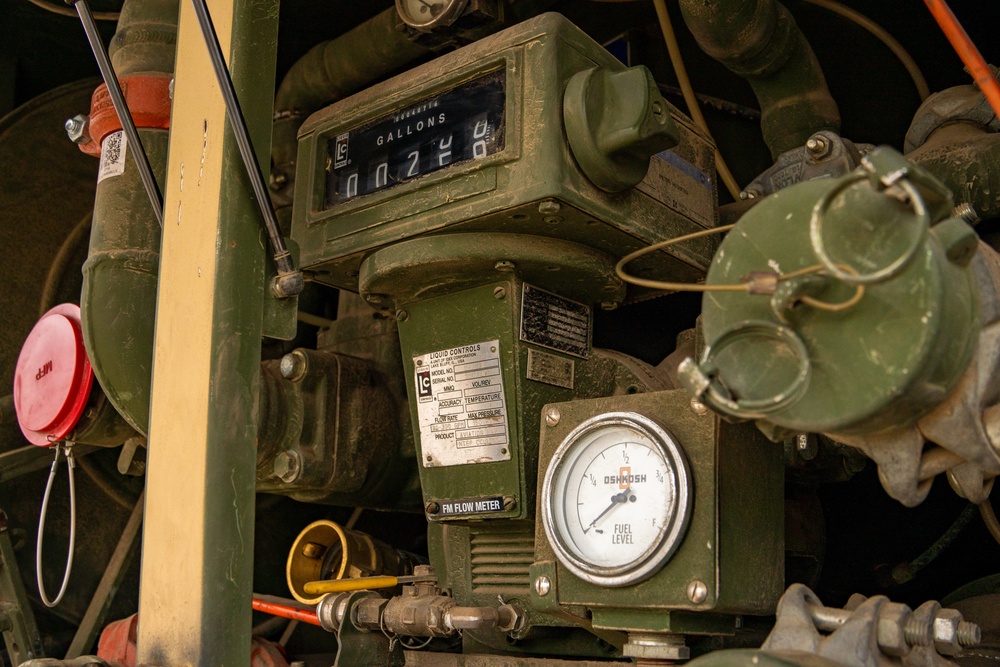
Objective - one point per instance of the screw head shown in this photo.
(509, 502)
(698, 407)
(552, 416)
(697, 591)
(432, 507)
(548, 207)
(542, 586)
(402, 316)
(499, 293)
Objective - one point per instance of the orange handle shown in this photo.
(286, 611)
(967, 51)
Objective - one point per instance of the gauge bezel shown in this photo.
(669, 537)
(446, 17)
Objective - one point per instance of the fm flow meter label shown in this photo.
(461, 406)
(112, 156)
(472, 506)
(549, 320)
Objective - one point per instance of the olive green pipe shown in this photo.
(332, 70)
(760, 41)
(118, 302)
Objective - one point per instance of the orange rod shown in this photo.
(967, 51)
(285, 611)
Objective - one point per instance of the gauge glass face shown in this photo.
(618, 499)
(428, 13)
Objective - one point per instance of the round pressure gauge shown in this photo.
(617, 499)
(426, 15)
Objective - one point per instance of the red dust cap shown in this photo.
(53, 377)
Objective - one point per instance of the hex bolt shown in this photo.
(287, 466)
(542, 586)
(432, 507)
(552, 416)
(78, 129)
(697, 591)
(698, 407)
(499, 292)
(293, 366)
(818, 146)
(548, 207)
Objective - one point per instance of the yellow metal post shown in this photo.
(197, 563)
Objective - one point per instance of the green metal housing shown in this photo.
(734, 543)
(502, 191)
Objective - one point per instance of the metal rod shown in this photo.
(289, 281)
(97, 611)
(121, 108)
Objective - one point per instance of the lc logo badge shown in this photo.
(340, 154)
(424, 384)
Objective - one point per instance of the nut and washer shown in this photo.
(293, 366)
(78, 129)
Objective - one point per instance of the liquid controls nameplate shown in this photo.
(461, 407)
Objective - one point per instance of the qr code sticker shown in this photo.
(112, 156)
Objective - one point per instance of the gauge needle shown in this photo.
(615, 500)
(429, 6)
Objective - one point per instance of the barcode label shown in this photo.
(112, 156)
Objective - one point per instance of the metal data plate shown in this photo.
(461, 406)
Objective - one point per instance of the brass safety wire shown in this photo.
(884, 36)
(70, 465)
(752, 286)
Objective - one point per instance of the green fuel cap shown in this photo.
(871, 316)
(615, 122)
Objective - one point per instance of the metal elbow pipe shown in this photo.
(118, 301)
(760, 41)
(332, 70)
